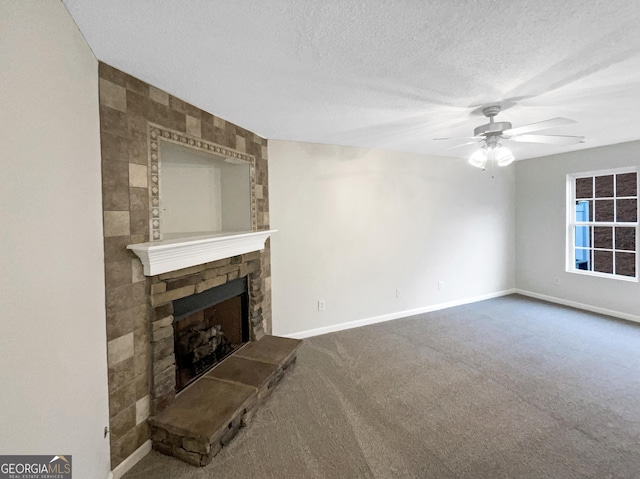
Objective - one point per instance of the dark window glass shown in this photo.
(583, 259)
(627, 210)
(604, 210)
(584, 187)
(604, 186)
(626, 239)
(627, 184)
(603, 237)
(626, 264)
(603, 261)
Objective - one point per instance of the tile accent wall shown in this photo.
(127, 106)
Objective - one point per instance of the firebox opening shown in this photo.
(208, 327)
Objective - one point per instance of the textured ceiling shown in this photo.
(384, 73)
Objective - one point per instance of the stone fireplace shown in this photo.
(141, 301)
(180, 297)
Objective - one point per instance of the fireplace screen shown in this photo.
(208, 327)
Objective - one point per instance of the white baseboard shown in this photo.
(575, 304)
(131, 461)
(388, 317)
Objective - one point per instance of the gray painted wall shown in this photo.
(541, 229)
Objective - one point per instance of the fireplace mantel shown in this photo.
(170, 255)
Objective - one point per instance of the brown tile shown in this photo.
(122, 447)
(142, 386)
(142, 353)
(138, 128)
(139, 316)
(176, 121)
(139, 199)
(245, 371)
(112, 74)
(137, 86)
(113, 95)
(270, 349)
(115, 248)
(139, 222)
(158, 113)
(193, 126)
(120, 323)
(221, 138)
(118, 273)
(142, 434)
(137, 104)
(123, 422)
(139, 292)
(113, 121)
(121, 374)
(205, 408)
(114, 147)
(183, 107)
(138, 151)
(116, 223)
(208, 131)
(206, 117)
(119, 298)
(158, 95)
(139, 239)
(119, 399)
(115, 196)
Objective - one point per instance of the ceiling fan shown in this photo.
(494, 132)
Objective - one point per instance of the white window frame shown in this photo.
(572, 223)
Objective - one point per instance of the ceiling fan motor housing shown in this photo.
(493, 127)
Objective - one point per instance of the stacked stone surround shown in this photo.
(168, 287)
(127, 107)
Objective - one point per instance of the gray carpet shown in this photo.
(505, 388)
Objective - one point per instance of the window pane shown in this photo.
(584, 187)
(626, 264)
(627, 210)
(583, 236)
(583, 259)
(603, 237)
(603, 261)
(626, 238)
(584, 210)
(604, 186)
(627, 184)
(604, 210)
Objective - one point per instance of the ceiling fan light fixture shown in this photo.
(479, 158)
(503, 156)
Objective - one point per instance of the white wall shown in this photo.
(53, 373)
(541, 229)
(356, 224)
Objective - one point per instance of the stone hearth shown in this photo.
(207, 415)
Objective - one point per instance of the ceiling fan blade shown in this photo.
(542, 125)
(549, 139)
(464, 144)
(460, 138)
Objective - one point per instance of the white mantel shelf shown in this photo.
(170, 255)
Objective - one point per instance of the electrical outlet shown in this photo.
(440, 285)
(556, 280)
(321, 305)
(397, 293)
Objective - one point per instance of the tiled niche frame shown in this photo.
(156, 135)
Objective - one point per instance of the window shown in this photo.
(603, 223)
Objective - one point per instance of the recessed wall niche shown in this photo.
(198, 187)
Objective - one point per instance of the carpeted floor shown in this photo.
(505, 388)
